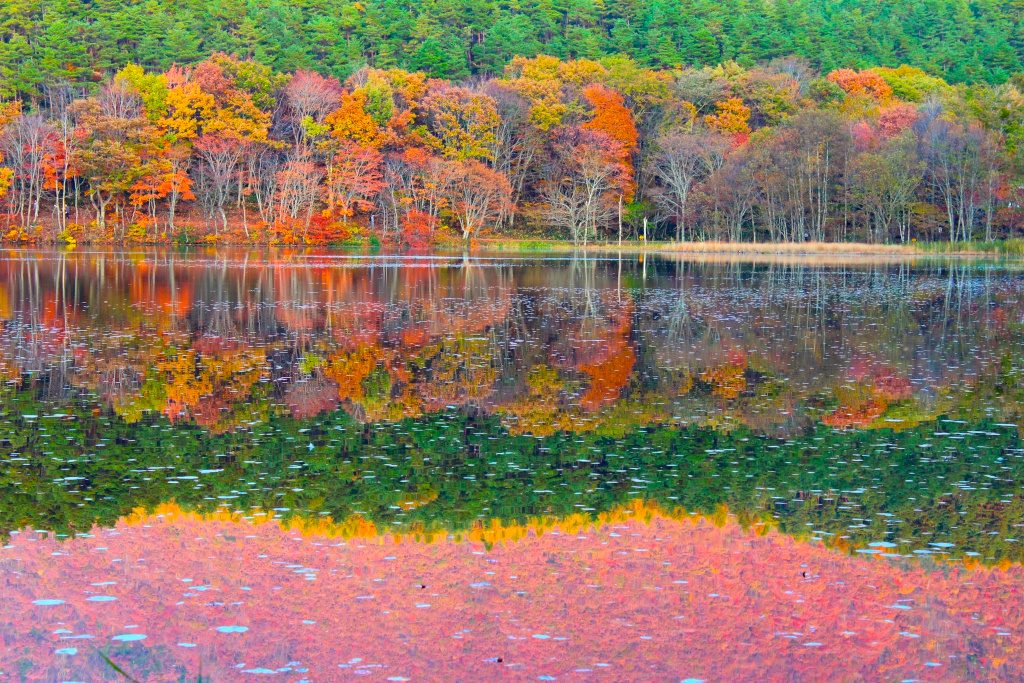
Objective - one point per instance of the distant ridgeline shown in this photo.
(944, 488)
(63, 39)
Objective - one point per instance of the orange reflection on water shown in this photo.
(640, 595)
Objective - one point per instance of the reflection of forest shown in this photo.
(228, 338)
(575, 416)
(643, 583)
(942, 488)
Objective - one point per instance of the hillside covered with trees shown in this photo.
(254, 147)
(46, 40)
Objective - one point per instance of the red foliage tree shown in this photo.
(417, 229)
(865, 82)
(478, 195)
(354, 177)
(896, 119)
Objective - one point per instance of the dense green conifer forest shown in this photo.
(962, 41)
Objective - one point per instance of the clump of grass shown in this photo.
(1007, 247)
(524, 245)
(533, 245)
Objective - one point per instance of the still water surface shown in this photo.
(311, 467)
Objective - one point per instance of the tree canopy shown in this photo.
(961, 41)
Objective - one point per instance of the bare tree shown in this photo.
(219, 160)
(261, 164)
(309, 96)
(299, 189)
(584, 183)
(733, 191)
(118, 100)
(59, 98)
(25, 143)
(962, 165)
(798, 171)
(681, 161)
(517, 142)
(414, 181)
(701, 87)
(797, 68)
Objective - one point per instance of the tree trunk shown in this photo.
(620, 220)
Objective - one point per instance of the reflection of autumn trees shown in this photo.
(909, 484)
(456, 371)
(309, 397)
(540, 409)
(723, 589)
(596, 335)
(226, 337)
(183, 388)
(872, 390)
(216, 389)
(728, 380)
(610, 368)
(349, 369)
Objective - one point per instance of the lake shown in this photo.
(234, 465)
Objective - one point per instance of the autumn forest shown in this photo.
(228, 150)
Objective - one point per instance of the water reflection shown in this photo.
(554, 345)
(258, 434)
(946, 490)
(645, 597)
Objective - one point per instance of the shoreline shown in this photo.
(1012, 248)
(943, 249)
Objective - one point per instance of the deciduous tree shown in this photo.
(680, 162)
(478, 195)
(354, 179)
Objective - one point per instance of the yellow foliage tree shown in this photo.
(187, 108)
(8, 112)
(351, 122)
(731, 116)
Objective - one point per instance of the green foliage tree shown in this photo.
(454, 38)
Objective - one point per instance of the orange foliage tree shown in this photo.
(354, 178)
(612, 118)
(350, 122)
(478, 195)
(866, 82)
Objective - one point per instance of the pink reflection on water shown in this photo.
(631, 601)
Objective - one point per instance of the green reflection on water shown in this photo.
(939, 482)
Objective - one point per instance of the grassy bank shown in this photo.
(1010, 247)
(1007, 247)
